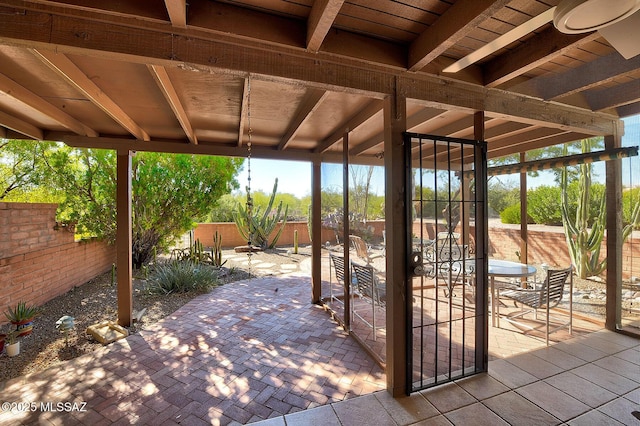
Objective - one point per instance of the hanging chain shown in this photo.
(249, 198)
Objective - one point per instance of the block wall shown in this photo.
(40, 260)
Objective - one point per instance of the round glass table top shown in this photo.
(507, 268)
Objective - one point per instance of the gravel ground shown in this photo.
(96, 301)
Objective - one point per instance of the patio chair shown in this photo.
(371, 289)
(534, 296)
(362, 251)
(337, 265)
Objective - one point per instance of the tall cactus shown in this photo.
(584, 239)
(216, 250)
(258, 227)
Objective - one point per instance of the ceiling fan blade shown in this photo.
(624, 36)
(502, 41)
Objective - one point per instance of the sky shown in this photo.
(294, 177)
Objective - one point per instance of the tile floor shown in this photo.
(587, 380)
(256, 350)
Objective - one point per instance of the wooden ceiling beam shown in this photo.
(25, 96)
(312, 100)
(629, 110)
(280, 63)
(457, 22)
(510, 106)
(416, 119)
(523, 146)
(244, 110)
(323, 14)
(536, 51)
(457, 126)
(62, 65)
(509, 128)
(613, 97)
(589, 75)
(166, 87)
(371, 109)
(180, 147)
(20, 126)
(177, 10)
(372, 142)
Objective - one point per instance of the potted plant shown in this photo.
(22, 316)
(2, 339)
(13, 344)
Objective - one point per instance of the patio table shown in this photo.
(505, 269)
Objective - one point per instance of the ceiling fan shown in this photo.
(617, 21)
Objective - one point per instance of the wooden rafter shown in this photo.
(323, 14)
(74, 76)
(591, 74)
(20, 126)
(310, 103)
(164, 83)
(244, 109)
(23, 95)
(320, 69)
(456, 23)
(538, 50)
(613, 97)
(374, 107)
(177, 10)
(372, 142)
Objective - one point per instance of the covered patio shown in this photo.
(324, 82)
(258, 350)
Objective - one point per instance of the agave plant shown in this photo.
(256, 226)
(21, 312)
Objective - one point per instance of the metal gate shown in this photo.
(447, 284)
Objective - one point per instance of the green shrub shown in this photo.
(511, 214)
(629, 199)
(182, 277)
(543, 205)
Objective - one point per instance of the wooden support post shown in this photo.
(123, 238)
(316, 231)
(396, 225)
(524, 237)
(613, 316)
(346, 230)
(482, 245)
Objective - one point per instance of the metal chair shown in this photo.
(337, 265)
(534, 296)
(369, 287)
(362, 251)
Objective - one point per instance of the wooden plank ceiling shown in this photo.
(295, 77)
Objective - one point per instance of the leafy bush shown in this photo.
(181, 277)
(500, 195)
(630, 198)
(511, 214)
(543, 205)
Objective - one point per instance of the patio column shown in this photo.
(396, 223)
(316, 230)
(524, 234)
(123, 238)
(346, 230)
(613, 184)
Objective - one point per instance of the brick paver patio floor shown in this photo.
(247, 351)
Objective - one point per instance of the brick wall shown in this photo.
(549, 246)
(231, 237)
(38, 262)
